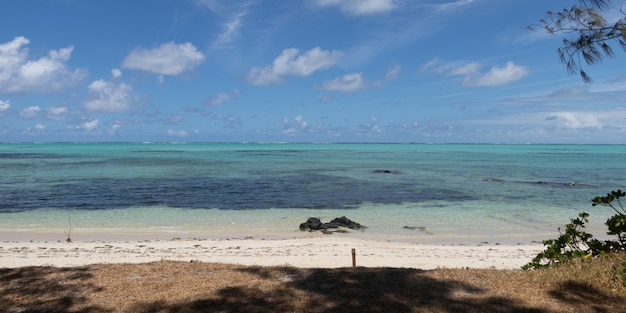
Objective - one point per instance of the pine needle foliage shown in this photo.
(594, 34)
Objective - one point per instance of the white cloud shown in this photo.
(369, 129)
(38, 129)
(348, 83)
(109, 97)
(562, 120)
(575, 120)
(4, 106)
(233, 14)
(231, 121)
(452, 5)
(175, 119)
(412, 125)
(466, 70)
(212, 5)
(166, 59)
(49, 73)
(433, 65)
(327, 98)
(393, 72)
(291, 63)
(90, 125)
(529, 37)
(115, 127)
(116, 73)
(571, 91)
(223, 97)
(231, 28)
(179, 133)
(438, 66)
(299, 124)
(358, 7)
(30, 112)
(57, 113)
(498, 76)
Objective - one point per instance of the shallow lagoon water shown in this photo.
(402, 192)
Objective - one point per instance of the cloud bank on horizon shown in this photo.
(297, 71)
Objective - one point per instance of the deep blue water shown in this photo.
(325, 176)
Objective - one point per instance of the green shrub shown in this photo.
(574, 242)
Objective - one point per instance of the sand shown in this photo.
(319, 252)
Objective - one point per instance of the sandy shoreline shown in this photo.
(319, 252)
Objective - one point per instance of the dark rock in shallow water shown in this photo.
(314, 223)
(561, 184)
(385, 172)
(344, 222)
(311, 224)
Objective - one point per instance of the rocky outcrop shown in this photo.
(311, 224)
(314, 223)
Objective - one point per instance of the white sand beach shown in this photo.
(320, 252)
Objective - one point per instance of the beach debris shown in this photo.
(420, 228)
(314, 223)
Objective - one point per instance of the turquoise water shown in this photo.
(441, 193)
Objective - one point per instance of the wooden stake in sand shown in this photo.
(353, 257)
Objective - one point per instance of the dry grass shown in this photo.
(202, 287)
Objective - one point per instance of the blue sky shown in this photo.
(432, 71)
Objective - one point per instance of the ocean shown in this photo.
(424, 193)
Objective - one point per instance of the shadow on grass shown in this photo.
(345, 290)
(585, 298)
(45, 289)
(286, 289)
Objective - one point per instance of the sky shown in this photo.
(428, 71)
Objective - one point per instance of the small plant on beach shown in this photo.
(69, 232)
(618, 273)
(574, 242)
